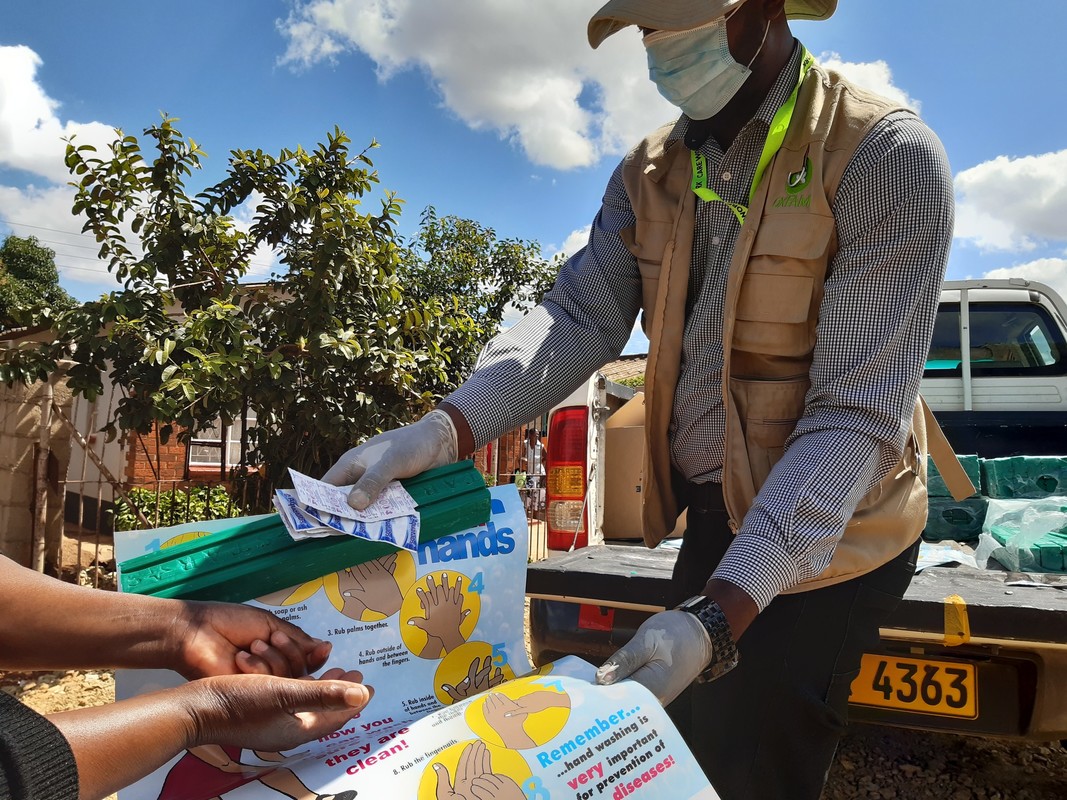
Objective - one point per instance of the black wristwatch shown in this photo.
(723, 649)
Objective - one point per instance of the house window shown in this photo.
(219, 445)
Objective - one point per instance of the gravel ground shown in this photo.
(873, 762)
(878, 762)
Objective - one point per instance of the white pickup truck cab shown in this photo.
(1010, 396)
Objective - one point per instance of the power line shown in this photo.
(42, 228)
(66, 244)
(83, 258)
(66, 267)
(265, 264)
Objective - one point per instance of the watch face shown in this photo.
(694, 603)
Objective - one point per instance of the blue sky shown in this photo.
(499, 111)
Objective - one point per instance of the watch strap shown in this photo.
(724, 655)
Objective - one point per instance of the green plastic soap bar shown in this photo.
(935, 485)
(1029, 477)
(256, 557)
(958, 520)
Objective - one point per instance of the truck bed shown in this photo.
(590, 602)
(632, 576)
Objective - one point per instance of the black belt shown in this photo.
(701, 497)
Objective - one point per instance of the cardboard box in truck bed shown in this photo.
(624, 459)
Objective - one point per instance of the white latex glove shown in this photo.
(667, 653)
(401, 453)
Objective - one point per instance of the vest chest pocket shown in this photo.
(781, 290)
(769, 411)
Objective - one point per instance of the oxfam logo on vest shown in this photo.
(795, 184)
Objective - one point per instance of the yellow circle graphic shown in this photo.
(468, 670)
(182, 538)
(438, 614)
(475, 769)
(525, 713)
(373, 590)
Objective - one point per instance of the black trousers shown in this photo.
(768, 730)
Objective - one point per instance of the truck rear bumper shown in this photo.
(590, 602)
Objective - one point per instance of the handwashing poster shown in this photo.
(457, 713)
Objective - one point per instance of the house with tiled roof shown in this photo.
(628, 370)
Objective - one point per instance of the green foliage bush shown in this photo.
(29, 282)
(196, 504)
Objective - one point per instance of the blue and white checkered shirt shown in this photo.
(894, 217)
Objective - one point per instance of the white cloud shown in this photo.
(31, 132)
(1050, 271)
(875, 76)
(1013, 203)
(31, 140)
(525, 71)
(575, 241)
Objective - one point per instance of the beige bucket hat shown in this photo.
(680, 15)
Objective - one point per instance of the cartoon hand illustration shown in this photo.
(506, 717)
(443, 606)
(353, 607)
(496, 787)
(479, 678)
(539, 701)
(473, 763)
(370, 586)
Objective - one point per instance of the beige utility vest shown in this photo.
(774, 290)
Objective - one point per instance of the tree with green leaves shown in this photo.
(29, 282)
(486, 277)
(344, 341)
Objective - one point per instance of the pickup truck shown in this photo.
(968, 650)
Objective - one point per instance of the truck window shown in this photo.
(1006, 339)
(1042, 346)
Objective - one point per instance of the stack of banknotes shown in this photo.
(312, 509)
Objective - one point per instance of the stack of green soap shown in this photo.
(1024, 476)
(935, 484)
(254, 558)
(958, 520)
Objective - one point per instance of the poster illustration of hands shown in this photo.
(457, 713)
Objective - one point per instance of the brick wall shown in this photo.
(148, 460)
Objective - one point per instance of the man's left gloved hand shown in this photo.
(666, 654)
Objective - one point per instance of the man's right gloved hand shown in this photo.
(667, 653)
(401, 453)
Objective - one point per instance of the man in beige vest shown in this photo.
(784, 241)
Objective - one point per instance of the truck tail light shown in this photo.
(566, 478)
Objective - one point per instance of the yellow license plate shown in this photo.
(944, 688)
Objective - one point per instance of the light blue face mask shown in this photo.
(695, 70)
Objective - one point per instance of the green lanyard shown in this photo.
(775, 137)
